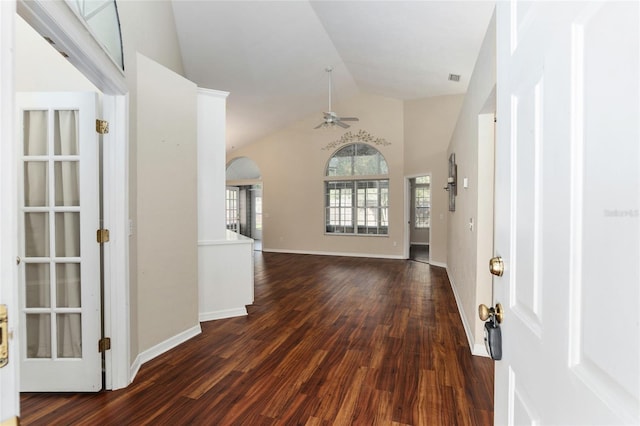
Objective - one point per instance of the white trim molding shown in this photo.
(326, 253)
(160, 348)
(222, 314)
(71, 36)
(476, 348)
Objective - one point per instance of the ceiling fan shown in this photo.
(331, 119)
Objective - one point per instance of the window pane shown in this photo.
(67, 183)
(68, 234)
(65, 133)
(38, 336)
(422, 200)
(357, 160)
(35, 132)
(371, 207)
(36, 183)
(68, 287)
(36, 230)
(37, 283)
(69, 334)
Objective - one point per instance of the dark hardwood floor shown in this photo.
(419, 253)
(329, 341)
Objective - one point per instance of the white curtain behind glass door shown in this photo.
(51, 199)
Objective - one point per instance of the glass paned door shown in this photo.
(59, 285)
(233, 208)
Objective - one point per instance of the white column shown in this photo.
(211, 164)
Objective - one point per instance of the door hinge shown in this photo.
(13, 421)
(104, 344)
(102, 126)
(102, 236)
(4, 336)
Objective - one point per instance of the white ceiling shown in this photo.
(271, 55)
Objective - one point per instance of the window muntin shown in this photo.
(357, 206)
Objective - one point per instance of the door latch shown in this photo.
(4, 336)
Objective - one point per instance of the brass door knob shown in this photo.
(485, 312)
(496, 266)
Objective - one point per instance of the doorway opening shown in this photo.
(244, 211)
(420, 218)
(243, 200)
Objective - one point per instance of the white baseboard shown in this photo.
(161, 348)
(476, 348)
(325, 253)
(480, 350)
(438, 264)
(418, 244)
(222, 314)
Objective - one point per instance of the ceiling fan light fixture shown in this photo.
(331, 119)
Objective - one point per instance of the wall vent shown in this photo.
(454, 77)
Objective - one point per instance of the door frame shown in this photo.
(407, 213)
(59, 23)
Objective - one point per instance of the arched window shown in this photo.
(357, 191)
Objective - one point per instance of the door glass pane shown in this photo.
(35, 132)
(38, 336)
(37, 285)
(68, 234)
(36, 234)
(69, 334)
(36, 184)
(68, 285)
(65, 136)
(67, 183)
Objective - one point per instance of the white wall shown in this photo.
(464, 252)
(148, 28)
(41, 68)
(166, 221)
(428, 126)
(293, 162)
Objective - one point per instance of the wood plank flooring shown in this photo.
(329, 341)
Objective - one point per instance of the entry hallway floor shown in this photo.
(329, 341)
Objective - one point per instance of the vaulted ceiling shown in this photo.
(271, 55)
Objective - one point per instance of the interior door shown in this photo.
(233, 208)
(567, 221)
(9, 400)
(59, 277)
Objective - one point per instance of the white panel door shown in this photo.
(59, 278)
(9, 397)
(568, 212)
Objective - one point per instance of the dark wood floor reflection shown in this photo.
(329, 341)
(419, 253)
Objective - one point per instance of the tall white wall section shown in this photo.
(225, 259)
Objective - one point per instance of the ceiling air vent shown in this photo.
(454, 77)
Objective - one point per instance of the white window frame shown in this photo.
(348, 221)
(418, 186)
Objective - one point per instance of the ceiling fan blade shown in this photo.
(341, 124)
(320, 125)
(349, 119)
